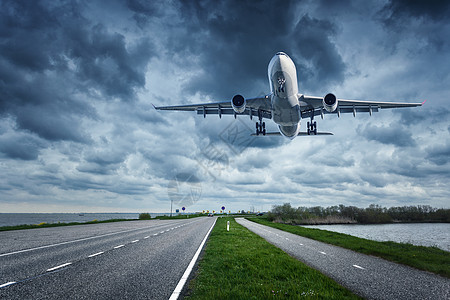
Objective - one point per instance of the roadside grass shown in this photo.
(241, 265)
(59, 224)
(45, 225)
(430, 259)
(180, 217)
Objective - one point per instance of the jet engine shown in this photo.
(330, 102)
(238, 103)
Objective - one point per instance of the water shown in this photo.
(421, 234)
(11, 219)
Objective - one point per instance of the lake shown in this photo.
(421, 234)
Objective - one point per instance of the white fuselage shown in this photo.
(284, 91)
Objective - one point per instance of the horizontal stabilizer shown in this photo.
(300, 133)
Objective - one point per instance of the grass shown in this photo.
(430, 259)
(45, 225)
(241, 265)
(190, 216)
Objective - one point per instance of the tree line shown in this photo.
(351, 214)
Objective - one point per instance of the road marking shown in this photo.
(117, 247)
(6, 284)
(300, 244)
(162, 232)
(147, 237)
(69, 242)
(356, 266)
(95, 254)
(155, 234)
(59, 267)
(287, 239)
(322, 252)
(181, 283)
(135, 241)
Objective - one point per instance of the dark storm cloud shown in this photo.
(434, 9)
(21, 145)
(52, 57)
(401, 17)
(104, 61)
(234, 41)
(392, 134)
(439, 154)
(312, 38)
(428, 114)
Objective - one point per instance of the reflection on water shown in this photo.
(422, 234)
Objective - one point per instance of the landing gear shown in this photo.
(312, 128)
(260, 126)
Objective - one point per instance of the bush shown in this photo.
(144, 216)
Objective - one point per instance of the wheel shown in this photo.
(264, 125)
(308, 131)
(308, 125)
(315, 131)
(264, 131)
(256, 126)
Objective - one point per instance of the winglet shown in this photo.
(424, 102)
(154, 106)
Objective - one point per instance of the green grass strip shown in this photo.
(241, 265)
(179, 217)
(45, 225)
(430, 259)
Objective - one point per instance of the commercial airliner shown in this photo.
(284, 105)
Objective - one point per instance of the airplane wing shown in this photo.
(277, 133)
(253, 105)
(311, 104)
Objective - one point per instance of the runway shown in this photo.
(124, 260)
(367, 276)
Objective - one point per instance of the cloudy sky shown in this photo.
(78, 131)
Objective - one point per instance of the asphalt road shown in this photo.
(124, 260)
(367, 276)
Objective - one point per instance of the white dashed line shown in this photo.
(95, 254)
(155, 234)
(6, 284)
(69, 242)
(301, 244)
(147, 237)
(58, 267)
(287, 239)
(162, 231)
(356, 266)
(322, 252)
(117, 247)
(135, 241)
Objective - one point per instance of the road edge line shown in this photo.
(177, 291)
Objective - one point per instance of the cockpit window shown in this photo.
(281, 53)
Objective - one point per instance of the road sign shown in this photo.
(183, 208)
(223, 207)
(177, 210)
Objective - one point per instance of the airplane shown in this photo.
(285, 106)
